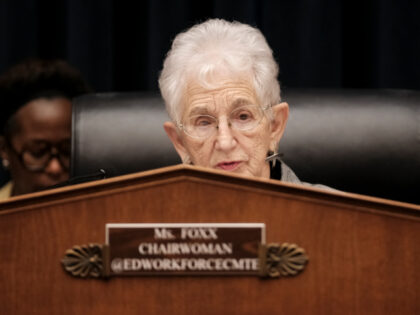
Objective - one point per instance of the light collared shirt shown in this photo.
(6, 191)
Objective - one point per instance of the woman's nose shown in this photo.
(225, 139)
(54, 167)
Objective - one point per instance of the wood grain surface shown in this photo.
(363, 252)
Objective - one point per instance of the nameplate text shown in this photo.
(184, 249)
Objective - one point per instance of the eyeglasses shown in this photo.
(37, 156)
(243, 118)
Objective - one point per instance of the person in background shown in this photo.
(35, 123)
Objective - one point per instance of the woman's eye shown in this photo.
(243, 116)
(65, 148)
(203, 122)
(38, 152)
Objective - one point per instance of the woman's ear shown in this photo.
(278, 124)
(173, 133)
(4, 155)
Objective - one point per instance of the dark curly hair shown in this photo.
(37, 78)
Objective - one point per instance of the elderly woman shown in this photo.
(219, 83)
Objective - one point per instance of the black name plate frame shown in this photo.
(148, 249)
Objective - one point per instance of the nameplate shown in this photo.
(184, 249)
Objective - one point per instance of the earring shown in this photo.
(273, 157)
(5, 163)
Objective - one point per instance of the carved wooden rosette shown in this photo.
(282, 260)
(86, 261)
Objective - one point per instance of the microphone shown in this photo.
(100, 174)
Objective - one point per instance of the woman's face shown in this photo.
(40, 126)
(228, 148)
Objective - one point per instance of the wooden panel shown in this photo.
(363, 251)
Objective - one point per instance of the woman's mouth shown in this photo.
(228, 166)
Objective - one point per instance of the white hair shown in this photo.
(213, 48)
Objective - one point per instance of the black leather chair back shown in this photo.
(363, 141)
(120, 133)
